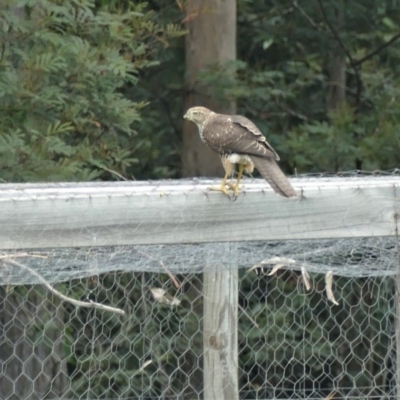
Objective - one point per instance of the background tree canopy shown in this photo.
(90, 88)
(68, 74)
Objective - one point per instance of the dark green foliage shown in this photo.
(75, 77)
(282, 83)
(63, 70)
(163, 87)
(294, 40)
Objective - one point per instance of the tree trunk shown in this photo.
(337, 64)
(337, 79)
(211, 41)
(337, 73)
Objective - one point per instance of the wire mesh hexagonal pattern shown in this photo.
(292, 343)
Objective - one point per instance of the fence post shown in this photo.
(397, 300)
(221, 335)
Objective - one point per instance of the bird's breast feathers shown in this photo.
(238, 159)
(201, 130)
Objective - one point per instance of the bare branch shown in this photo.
(113, 172)
(376, 51)
(296, 114)
(328, 287)
(171, 276)
(77, 303)
(306, 278)
(248, 316)
(276, 268)
(331, 396)
(335, 33)
(21, 255)
(278, 262)
(306, 16)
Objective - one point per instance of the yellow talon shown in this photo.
(233, 186)
(222, 188)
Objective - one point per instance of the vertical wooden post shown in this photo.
(221, 335)
(210, 41)
(397, 305)
(396, 218)
(397, 300)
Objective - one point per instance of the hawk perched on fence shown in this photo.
(239, 141)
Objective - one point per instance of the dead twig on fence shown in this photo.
(77, 303)
(328, 287)
(21, 255)
(171, 276)
(306, 278)
(253, 321)
(280, 262)
(113, 172)
(331, 396)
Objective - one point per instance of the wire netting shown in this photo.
(294, 342)
(352, 257)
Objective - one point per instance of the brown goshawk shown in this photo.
(239, 141)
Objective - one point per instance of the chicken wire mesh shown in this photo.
(293, 343)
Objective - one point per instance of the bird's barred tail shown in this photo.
(270, 171)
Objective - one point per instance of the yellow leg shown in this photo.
(222, 188)
(236, 187)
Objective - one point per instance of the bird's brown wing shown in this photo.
(238, 135)
(256, 133)
(227, 134)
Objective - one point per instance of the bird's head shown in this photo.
(198, 115)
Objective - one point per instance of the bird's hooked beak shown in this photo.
(186, 116)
